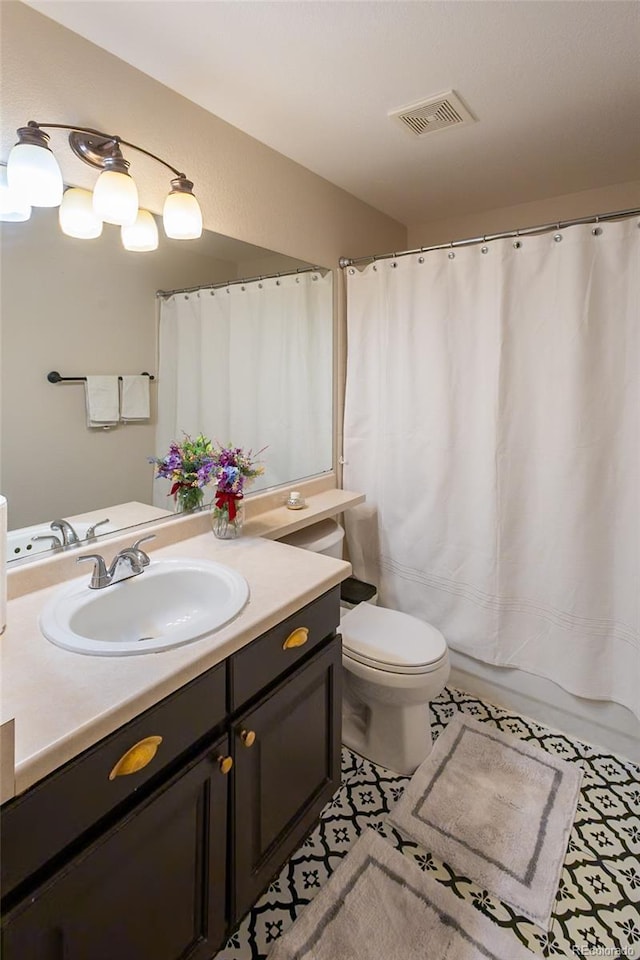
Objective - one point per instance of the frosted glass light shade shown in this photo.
(142, 236)
(182, 216)
(13, 208)
(77, 217)
(33, 174)
(115, 198)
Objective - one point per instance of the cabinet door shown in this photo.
(152, 887)
(287, 765)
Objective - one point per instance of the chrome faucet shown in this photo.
(66, 531)
(129, 562)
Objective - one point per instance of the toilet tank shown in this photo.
(324, 537)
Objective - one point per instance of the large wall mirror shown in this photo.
(242, 362)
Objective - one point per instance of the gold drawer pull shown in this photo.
(225, 764)
(136, 758)
(296, 639)
(248, 737)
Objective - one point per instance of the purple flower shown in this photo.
(203, 473)
(228, 477)
(195, 463)
(189, 464)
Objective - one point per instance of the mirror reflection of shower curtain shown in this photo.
(250, 364)
(493, 421)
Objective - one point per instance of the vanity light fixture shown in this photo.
(115, 196)
(76, 216)
(33, 175)
(142, 235)
(13, 209)
(32, 170)
(181, 216)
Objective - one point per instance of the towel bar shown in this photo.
(54, 377)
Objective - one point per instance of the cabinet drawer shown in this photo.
(257, 665)
(39, 824)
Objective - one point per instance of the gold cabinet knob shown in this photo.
(296, 639)
(248, 737)
(225, 764)
(136, 758)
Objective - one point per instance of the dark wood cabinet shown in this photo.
(287, 765)
(164, 861)
(152, 886)
(272, 656)
(39, 825)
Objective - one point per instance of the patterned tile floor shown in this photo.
(597, 908)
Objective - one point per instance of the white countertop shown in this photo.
(63, 702)
(121, 515)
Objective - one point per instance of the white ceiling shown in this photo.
(555, 87)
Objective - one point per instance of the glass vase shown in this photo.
(222, 526)
(188, 499)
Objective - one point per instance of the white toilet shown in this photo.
(395, 664)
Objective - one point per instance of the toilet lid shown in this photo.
(388, 639)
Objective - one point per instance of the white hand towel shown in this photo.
(103, 403)
(134, 398)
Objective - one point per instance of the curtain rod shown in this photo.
(543, 228)
(231, 283)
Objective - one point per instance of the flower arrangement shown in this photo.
(190, 465)
(232, 468)
(193, 464)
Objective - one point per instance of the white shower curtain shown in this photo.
(493, 420)
(247, 364)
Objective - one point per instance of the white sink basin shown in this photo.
(171, 603)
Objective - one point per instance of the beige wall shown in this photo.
(246, 191)
(618, 196)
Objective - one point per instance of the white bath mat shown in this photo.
(378, 905)
(497, 810)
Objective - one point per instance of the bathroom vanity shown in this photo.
(230, 772)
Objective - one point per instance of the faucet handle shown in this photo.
(55, 542)
(145, 559)
(100, 577)
(91, 531)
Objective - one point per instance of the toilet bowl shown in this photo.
(394, 663)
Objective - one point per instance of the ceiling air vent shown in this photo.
(437, 113)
